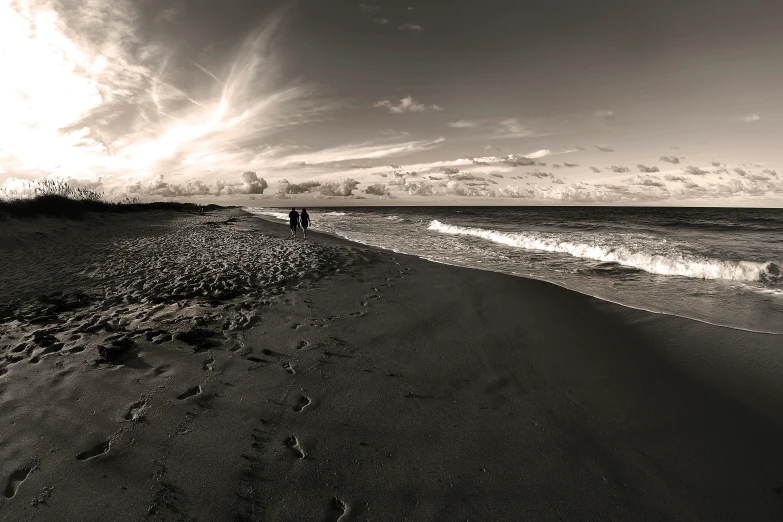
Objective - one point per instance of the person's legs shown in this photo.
(293, 229)
(304, 232)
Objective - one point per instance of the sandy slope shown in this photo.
(392, 389)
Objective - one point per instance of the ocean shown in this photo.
(721, 266)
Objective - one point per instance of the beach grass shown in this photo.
(57, 198)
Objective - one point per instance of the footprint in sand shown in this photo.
(302, 344)
(296, 449)
(364, 303)
(207, 367)
(289, 368)
(356, 314)
(337, 510)
(189, 393)
(15, 480)
(100, 449)
(135, 409)
(303, 403)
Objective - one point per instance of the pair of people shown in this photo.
(297, 220)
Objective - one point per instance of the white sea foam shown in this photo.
(671, 263)
(269, 212)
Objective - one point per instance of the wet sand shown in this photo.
(247, 376)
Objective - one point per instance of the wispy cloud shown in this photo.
(99, 99)
(411, 27)
(407, 104)
(357, 152)
(511, 128)
(463, 124)
(604, 115)
(604, 149)
(369, 8)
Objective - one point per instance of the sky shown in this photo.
(396, 102)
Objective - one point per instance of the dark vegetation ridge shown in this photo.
(57, 199)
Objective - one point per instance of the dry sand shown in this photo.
(255, 377)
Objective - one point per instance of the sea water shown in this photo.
(722, 266)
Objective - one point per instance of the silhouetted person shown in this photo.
(304, 221)
(293, 219)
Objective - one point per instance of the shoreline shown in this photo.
(385, 386)
(606, 299)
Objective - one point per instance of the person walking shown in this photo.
(293, 220)
(304, 221)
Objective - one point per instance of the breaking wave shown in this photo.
(272, 213)
(671, 263)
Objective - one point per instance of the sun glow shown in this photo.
(86, 97)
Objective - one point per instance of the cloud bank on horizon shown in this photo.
(166, 100)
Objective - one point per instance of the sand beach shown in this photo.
(175, 366)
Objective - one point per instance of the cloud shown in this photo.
(449, 170)
(696, 171)
(539, 174)
(539, 153)
(519, 161)
(770, 172)
(106, 99)
(367, 8)
(579, 147)
(343, 188)
(249, 183)
(359, 151)
(406, 104)
(643, 168)
(715, 163)
(619, 169)
(604, 149)
(672, 177)
(252, 183)
(496, 175)
(750, 118)
(739, 171)
(381, 21)
(595, 169)
(467, 176)
(463, 124)
(410, 27)
(646, 181)
(297, 188)
(511, 128)
(604, 115)
(670, 159)
(570, 165)
(377, 189)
